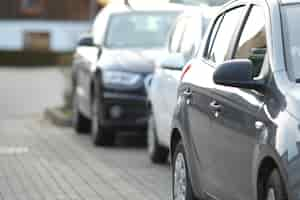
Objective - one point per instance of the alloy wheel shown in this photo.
(180, 178)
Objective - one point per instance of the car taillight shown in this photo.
(185, 70)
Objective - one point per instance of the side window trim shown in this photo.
(237, 31)
(241, 28)
(207, 45)
(265, 65)
(215, 36)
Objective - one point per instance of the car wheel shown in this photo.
(80, 123)
(273, 189)
(182, 189)
(100, 136)
(157, 153)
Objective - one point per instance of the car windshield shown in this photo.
(292, 39)
(198, 2)
(139, 30)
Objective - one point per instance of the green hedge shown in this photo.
(34, 58)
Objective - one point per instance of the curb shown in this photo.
(57, 117)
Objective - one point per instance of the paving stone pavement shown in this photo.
(39, 161)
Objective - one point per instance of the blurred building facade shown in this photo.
(44, 25)
(46, 9)
(56, 25)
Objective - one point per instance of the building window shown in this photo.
(32, 7)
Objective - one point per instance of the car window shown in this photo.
(99, 27)
(139, 29)
(192, 36)
(252, 43)
(220, 47)
(177, 35)
(291, 32)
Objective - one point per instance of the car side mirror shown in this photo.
(86, 41)
(173, 61)
(237, 73)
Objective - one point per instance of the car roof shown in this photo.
(270, 2)
(290, 1)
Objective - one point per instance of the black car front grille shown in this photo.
(130, 109)
(131, 101)
(136, 92)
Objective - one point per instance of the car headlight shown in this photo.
(120, 78)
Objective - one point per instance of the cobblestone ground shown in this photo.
(39, 161)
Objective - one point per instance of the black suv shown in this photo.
(237, 123)
(111, 66)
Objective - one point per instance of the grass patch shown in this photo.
(34, 58)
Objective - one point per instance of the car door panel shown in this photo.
(201, 110)
(234, 137)
(169, 84)
(158, 105)
(199, 117)
(234, 127)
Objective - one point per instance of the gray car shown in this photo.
(236, 127)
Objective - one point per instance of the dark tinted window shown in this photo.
(252, 44)
(220, 46)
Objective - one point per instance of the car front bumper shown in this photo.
(125, 111)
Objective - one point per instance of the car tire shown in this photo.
(80, 123)
(273, 189)
(157, 153)
(180, 176)
(100, 136)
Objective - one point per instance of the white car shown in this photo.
(184, 42)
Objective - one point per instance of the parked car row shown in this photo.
(225, 106)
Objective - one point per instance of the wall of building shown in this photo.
(50, 10)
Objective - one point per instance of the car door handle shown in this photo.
(260, 125)
(215, 106)
(187, 93)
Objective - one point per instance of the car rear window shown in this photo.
(291, 38)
